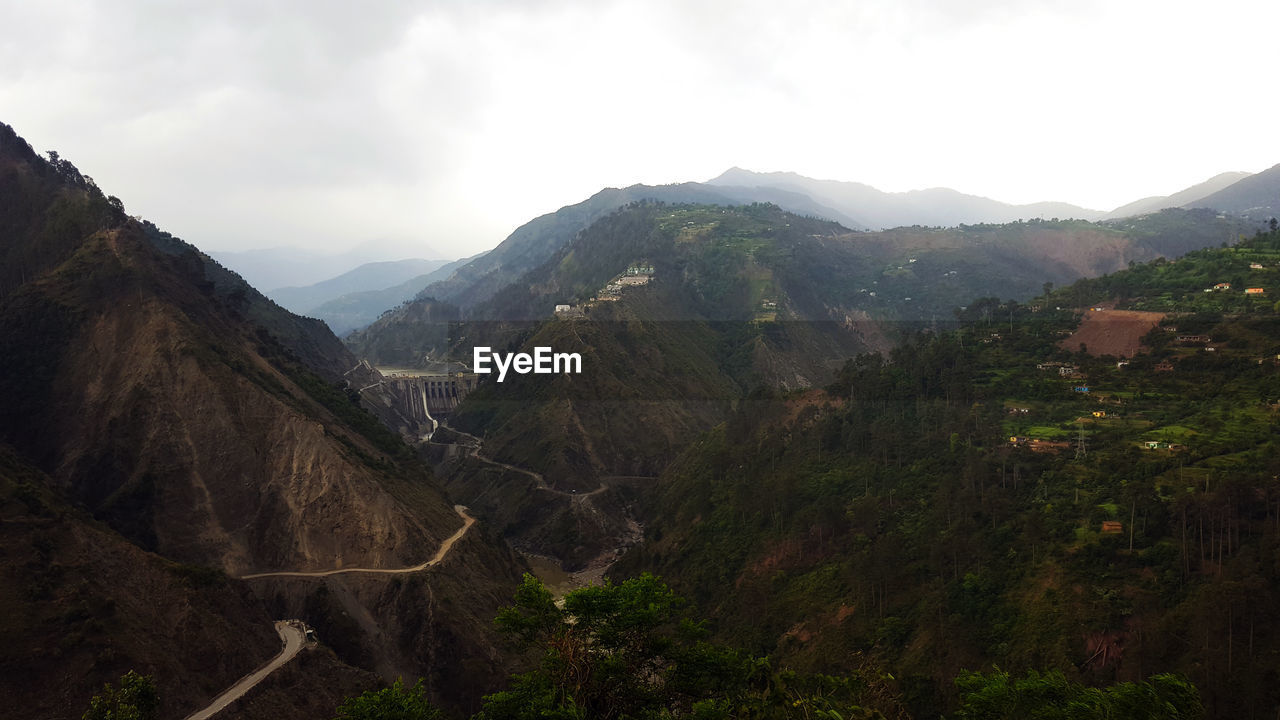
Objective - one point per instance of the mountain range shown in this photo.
(846, 443)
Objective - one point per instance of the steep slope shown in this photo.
(1256, 197)
(190, 430)
(204, 423)
(961, 503)
(933, 207)
(365, 278)
(82, 606)
(1186, 197)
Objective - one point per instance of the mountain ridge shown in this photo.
(881, 210)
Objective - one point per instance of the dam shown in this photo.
(428, 396)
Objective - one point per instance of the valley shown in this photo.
(888, 463)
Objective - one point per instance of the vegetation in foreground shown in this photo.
(633, 650)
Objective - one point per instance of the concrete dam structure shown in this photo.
(430, 397)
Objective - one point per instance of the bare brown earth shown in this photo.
(1117, 333)
(80, 606)
(179, 408)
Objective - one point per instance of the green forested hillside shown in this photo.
(952, 506)
(738, 298)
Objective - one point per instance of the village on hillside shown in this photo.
(637, 274)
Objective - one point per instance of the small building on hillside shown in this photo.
(1255, 266)
(1112, 527)
(1164, 366)
(1222, 286)
(1254, 291)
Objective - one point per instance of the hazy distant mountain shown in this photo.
(280, 267)
(879, 209)
(1182, 198)
(369, 276)
(1256, 197)
(355, 310)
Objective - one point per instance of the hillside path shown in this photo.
(542, 483)
(293, 637)
(445, 547)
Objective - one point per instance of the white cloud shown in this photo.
(242, 125)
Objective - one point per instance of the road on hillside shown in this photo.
(541, 482)
(445, 547)
(294, 638)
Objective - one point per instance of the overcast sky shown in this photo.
(437, 128)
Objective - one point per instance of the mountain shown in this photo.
(915, 274)
(740, 298)
(877, 209)
(288, 266)
(209, 427)
(1183, 198)
(534, 242)
(368, 277)
(356, 310)
(1256, 197)
(962, 502)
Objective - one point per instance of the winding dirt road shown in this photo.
(541, 482)
(445, 547)
(293, 637)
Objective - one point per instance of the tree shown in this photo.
(630, 651)
(1050, 696)
(393, 703)
(135, 699)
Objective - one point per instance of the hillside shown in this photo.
(724, 309)
(1186, 197)
(1256, 197)
(80, 601)
(204, 424)
(988, 497)
(738, 298)
(913, 274)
